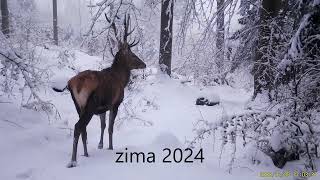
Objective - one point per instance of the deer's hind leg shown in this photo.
(79, 128)
(84, 132)
(84, 141)
(103, 126)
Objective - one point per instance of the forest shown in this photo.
(159, 89)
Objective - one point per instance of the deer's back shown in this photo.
(102, 87)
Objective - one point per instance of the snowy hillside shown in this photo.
(164, 116)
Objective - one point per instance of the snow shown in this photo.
(275, 141)
(295, 45)
(212, 97)
(164, 117)
(59, 82)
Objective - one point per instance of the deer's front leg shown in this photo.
(84, 141)
(112, 116)
(103, 126)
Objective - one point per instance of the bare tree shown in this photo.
(220, 38)
(210, 63)
(55, 22)
(166, 36)
(5, 17)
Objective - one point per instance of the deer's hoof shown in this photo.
(72, 164)
(110, 148)
(100, 146)
(86, 155)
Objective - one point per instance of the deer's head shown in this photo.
(130, 59)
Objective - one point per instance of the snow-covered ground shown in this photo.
(163, 115)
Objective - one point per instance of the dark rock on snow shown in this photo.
(204, 101)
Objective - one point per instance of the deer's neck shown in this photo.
(121, 70)
(123, 75)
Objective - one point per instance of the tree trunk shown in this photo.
(262, 72)
(220, 40)
(55, 22)
(5, 18)
(166, 36)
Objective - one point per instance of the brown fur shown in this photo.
(82, 86)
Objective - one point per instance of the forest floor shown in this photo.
(158, 113)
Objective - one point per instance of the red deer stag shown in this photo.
(95, 92)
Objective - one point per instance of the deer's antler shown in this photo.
(126, 24)
(113, 26)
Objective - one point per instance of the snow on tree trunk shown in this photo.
(220, 39)
(166, 36)
(55, 22)
(5, 17)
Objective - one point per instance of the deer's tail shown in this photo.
(60, 90)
